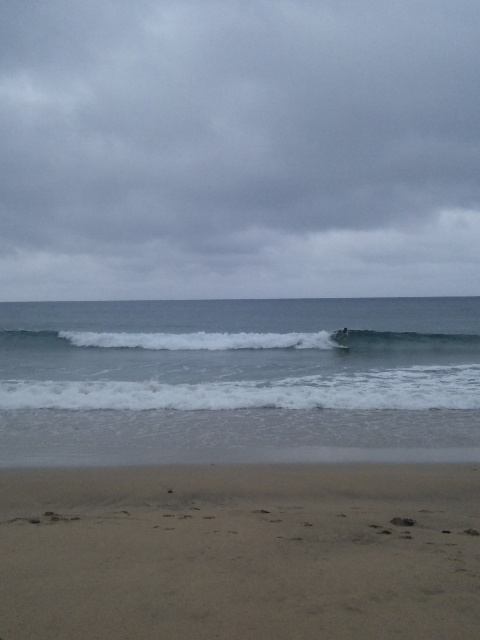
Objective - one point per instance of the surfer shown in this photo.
(342, 335)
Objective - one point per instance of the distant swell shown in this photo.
(387, 339)
(18, 335)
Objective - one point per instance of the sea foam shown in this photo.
(415, 388)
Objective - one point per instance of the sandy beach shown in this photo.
(264, 551)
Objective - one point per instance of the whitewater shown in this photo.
(418, 388)
(200, 340)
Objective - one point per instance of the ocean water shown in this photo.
(85, 383)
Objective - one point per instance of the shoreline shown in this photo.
(271, 551)
(291, 456)
(112, 438)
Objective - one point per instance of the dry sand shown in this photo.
(238, 552)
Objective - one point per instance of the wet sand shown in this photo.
(233, 552)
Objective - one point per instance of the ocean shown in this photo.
(225, 381)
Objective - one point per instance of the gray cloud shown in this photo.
(219, 128)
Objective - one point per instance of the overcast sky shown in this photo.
(239, 149)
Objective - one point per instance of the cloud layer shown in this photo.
(239, 149)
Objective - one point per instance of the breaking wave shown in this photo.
(358, 339)
(201, 340)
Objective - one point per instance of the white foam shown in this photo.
(414, 388)
(200, 340)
